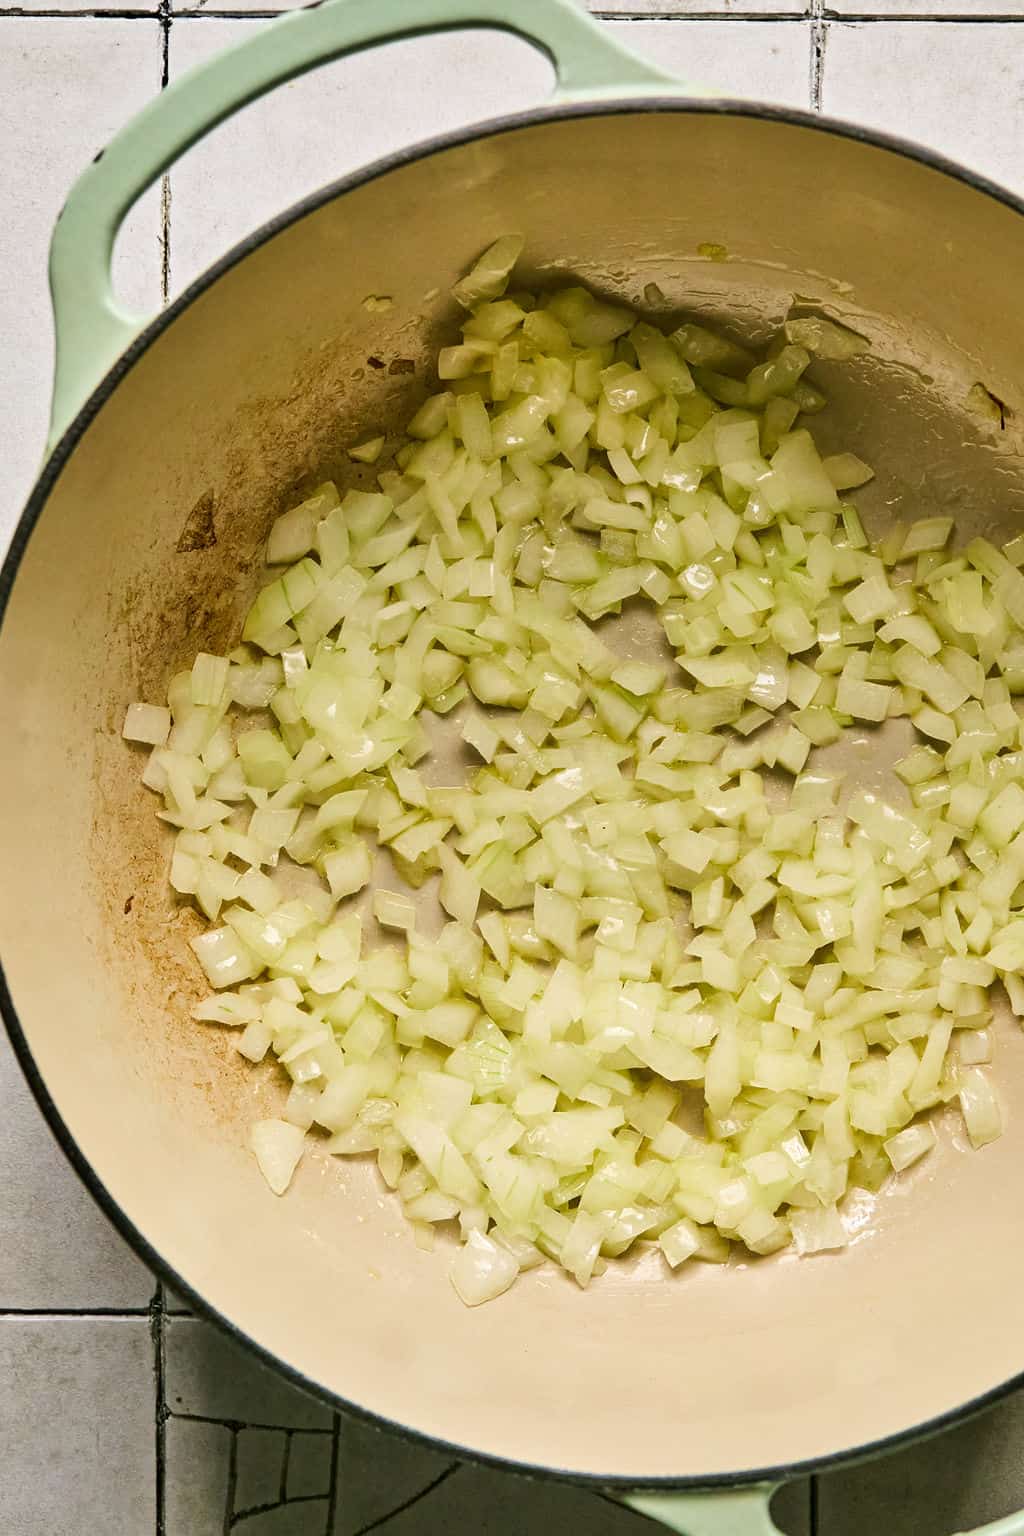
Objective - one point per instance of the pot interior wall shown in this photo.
(148, 547)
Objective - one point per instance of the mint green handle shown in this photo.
(1013, 1525)
(746, 1512)
(91, 329)
(739, 1512)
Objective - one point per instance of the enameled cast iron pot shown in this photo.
(175, 442)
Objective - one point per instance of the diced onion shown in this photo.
(982, 1114)
(482, 1269)
(679, 1242)
(368, 452)
(277, 1146)
(149, 723)
(909, 1145)
(825, 338)
(818, 1231)
(633, 886)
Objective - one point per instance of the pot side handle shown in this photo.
(1012, 1525)
(746, 1512)
(735, 1512)
(92, 330)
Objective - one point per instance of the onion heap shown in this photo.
(645, 972)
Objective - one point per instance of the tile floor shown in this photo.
(119, 1413)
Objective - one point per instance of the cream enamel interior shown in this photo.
(250, 395)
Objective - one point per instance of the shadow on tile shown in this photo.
(176, 1305)
(209, 1376)
(198, 1458)
(400, 1488)
(378, 1473)
(493, 1503)
(242, 1434)
(954, 1482)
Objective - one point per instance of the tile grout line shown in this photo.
(816, 12)
(333, 1490)
(164, 240)
(207, 1418)
(709, 14)
(819, 38)
(267, 1509)
(682, 18)
(286, 1457)
(162, 1412)
(422, 1493)
(812, 1502)
(160, 1415)
(942, 18)
(70, 1314)
(813, 9)
(232, 1484)
(38, 13)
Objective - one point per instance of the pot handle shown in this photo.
(746, 1512)
(736, 1512)
(92, 330)
(1012, 1525)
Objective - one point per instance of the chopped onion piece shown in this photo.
(818, 1231)
(224, 957)
(148, 723)
(826, 338)
(393, 910)
(277, 1146)
(679, 1242)
(846, 471)
(909, 1145)
(980, 1107)
(482, 1269)
(489, 277)
(368, 452)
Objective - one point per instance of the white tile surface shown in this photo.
(956, 86)
(57, 1249)
(604, 8)
(314, 130)
(769, 61)
(66, 84)
(893, 9)
(690, 8)
(234, 7)
(83, 8)
(77, 1427)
